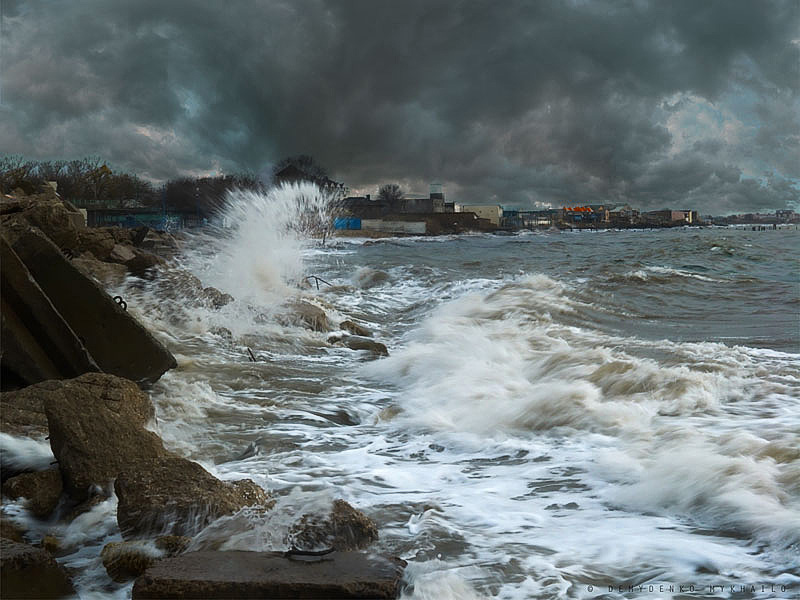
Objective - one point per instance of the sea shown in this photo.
(562, 414)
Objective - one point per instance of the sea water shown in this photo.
(562, 414)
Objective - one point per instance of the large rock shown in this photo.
(37, 343)
(115, 340)
(96, 424)
(175, 496)
(22, 414)
(127, 560)
(29, 572)
(121, 254)
(41, 488)
(60, 222)
(142, 262)
(97, 434)
(237, 574)
(310, 315)
(98, 241)
(345, 528)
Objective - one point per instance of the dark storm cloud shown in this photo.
(656, 104)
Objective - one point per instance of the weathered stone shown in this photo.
(98, 241)
(355, 328)
(47, 212)
(345, 528)
(172, 495)
(121, 254)
(238, 574)
(142, 262)
(41, 488)
(355, 342)
(106, 273)
(127, 560)
(22, 414)
(114, 339)
(310, 315)
(122, 235)
(96, 424)
(29, 572)
(216, 298)
(38, 344)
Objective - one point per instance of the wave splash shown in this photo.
(515, 363)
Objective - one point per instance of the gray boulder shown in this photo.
(237, 574)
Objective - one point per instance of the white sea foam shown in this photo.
(24, 453)
(500, 364)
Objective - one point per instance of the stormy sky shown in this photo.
(658, 104)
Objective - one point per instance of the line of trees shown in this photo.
(86, 181)
(90, 182)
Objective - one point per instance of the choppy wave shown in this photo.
(501, 364)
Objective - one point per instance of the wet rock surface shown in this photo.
(310, 315)
(22, 414)
(238, 574)
(124, 561)
(96, 424)
(345, 528)
(42, 489)
(355, 328)
(356, 342)
(30, 572)
(172, 495)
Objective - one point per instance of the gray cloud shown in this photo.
(652, 103)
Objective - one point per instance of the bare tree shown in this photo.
(390, 192)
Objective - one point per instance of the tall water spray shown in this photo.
(260, 257)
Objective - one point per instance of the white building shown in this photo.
(492, 212)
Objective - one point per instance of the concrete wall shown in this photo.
(415, 227)
(492, 212)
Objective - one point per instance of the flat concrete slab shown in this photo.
(238, 574)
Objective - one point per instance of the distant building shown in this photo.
(367, 208)
(670, 217)
(491, 212)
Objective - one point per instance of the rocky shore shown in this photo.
(76, 367)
